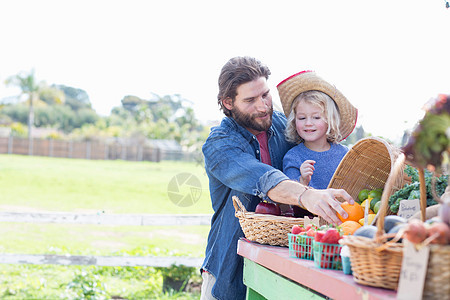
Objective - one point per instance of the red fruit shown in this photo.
(331, 250)
(308, 227)
(310, 232)
(268, 208)
(319, 236)
(302, 252)
(325, 263)
(296, 229)
(331, 236)
(288, 213)
(296, 248)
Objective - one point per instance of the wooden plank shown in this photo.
(253, 295)
(106, 219)
(271, 285)
(117, 261)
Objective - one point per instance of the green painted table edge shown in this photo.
(261, 283)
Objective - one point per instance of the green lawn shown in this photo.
(60, 184)
(30, 184)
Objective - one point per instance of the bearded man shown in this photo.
(243, 158)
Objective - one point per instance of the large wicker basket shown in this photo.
(437, 280)
(262, 228)
(367, 165)
(377, 262)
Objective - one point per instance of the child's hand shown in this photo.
(306, 171)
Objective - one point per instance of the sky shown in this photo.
(387, 57)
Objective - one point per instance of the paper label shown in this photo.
(413, 272)
(408, 208)
(313, 221)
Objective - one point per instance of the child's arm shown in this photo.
(306, 171)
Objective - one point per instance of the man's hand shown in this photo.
(306, 171)
(325, 204)
(320, 202)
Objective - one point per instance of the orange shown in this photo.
(355, 212)
(349, 227)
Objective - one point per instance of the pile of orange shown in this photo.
(349, 227)
(355, 212)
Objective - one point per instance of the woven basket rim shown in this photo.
(241, 212)
(263, 228)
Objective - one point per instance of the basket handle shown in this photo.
(238, 206)
(395, 173)
(423, 194)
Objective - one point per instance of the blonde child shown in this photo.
(318, 118)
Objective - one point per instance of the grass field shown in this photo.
(60, 184)
(74, 185)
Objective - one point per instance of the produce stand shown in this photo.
(269, 273)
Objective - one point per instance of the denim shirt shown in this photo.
(234, 168)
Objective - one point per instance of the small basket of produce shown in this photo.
(327, 250)
(364, 170)
(265, 228)
(301, 242)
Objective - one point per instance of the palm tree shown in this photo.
(31, 88)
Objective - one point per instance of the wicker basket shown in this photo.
(377, 262)
(437, 280)
(367, 165)
(264, 229)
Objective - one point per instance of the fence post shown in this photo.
(124, 151)
(70, 149)
(10, 144)
(139, 153)
(106, 151)
(158, 154)
(88, 150)
(30, 146)
(50, 146)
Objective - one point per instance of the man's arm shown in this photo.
(319, 202)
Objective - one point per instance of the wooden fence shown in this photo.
(103, 219)
(89, 150)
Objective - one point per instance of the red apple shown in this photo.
(268, 208)
(288, 213)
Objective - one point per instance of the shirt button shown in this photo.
(254, 137)
(257, 151)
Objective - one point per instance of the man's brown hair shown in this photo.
(237, 71)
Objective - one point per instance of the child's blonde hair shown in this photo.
(329, 111)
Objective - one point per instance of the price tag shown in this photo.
(408, 208)
(313, 221)
(413, 272)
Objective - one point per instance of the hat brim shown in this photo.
(304, 81)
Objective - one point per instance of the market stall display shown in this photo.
(376, 174)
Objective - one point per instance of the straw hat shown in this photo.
(304, 81)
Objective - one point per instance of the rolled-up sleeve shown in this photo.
(229, 160)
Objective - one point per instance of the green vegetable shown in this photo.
(412, 191)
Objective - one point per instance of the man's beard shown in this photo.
(249, 122)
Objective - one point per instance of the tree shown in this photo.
(29, 87)
(75, 98)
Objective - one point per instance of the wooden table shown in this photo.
(269, 273)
